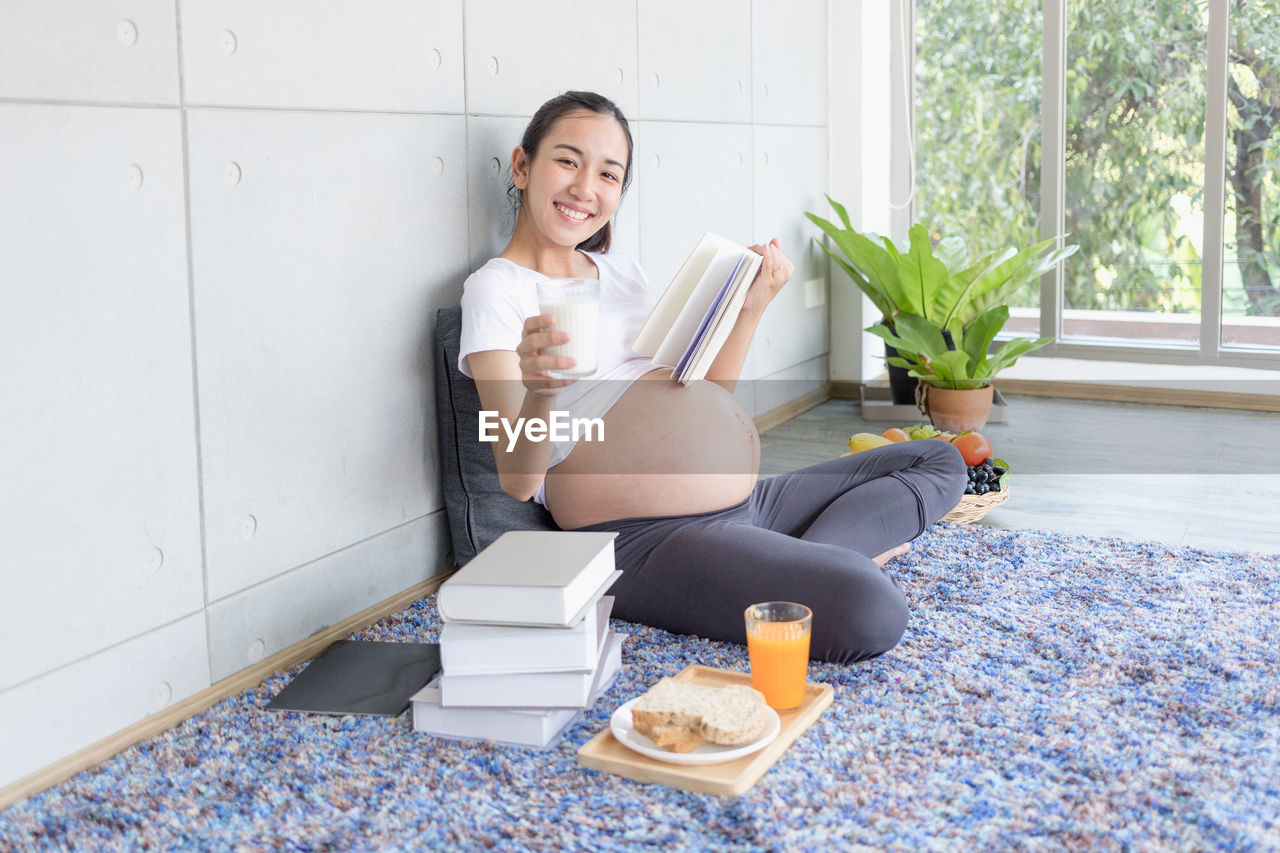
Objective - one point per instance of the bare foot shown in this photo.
(891, 553)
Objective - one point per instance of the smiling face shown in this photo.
(573, 183)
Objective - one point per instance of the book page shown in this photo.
(664, 314)
(713, 313)
(686, 325)
(723, 323)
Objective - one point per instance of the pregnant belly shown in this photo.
(668, 449)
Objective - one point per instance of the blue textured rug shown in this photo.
(1051, 693)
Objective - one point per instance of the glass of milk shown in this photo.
(575, 302)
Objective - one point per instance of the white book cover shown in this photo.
(521, 727)
(531, 577)
(532, 689)
(468, 648)
(539, 727)
(693, 317)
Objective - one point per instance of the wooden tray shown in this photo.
(604, 752)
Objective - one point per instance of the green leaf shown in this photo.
(866, 270)
(997, 283)
(918, 335)
(922, 275)
(875, 264)
(951, 369)
(983, 330)
(1007, 355)
(888, 246)
(840, 211)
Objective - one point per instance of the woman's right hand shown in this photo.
(535, 339)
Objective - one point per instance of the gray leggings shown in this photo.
(807, 536)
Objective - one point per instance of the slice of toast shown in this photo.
(733, 714)
(676, 738)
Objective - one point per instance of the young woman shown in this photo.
(700, 537)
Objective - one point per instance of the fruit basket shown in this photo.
(973, 507)
(988, 475)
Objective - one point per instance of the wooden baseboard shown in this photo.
(300, 652)
(1145, 394)
(1140, 394)
(846, 390)
(787, 411)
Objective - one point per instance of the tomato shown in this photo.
(973, 446)
(895, 434)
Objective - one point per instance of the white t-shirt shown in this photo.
(501, 295)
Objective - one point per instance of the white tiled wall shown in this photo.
(313, 266)
(224, 231)
(99, 530)
(696, 177)
(695, 59)
(517, 53)
(367, 55)
(788, 65)
(68, 50)
(788, 179)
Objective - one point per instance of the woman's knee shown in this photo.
(858, 623)
(940, 476)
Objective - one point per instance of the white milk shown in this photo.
(580, 318)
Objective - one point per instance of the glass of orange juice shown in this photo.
(778, 645)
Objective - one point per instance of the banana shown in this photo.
(861, 441)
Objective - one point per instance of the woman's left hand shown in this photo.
(775, 271)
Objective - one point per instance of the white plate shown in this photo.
(622, 728)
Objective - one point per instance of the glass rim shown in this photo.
(772, 611)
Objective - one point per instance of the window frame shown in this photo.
(1210, 349)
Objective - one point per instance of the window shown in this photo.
(1169, 172)
(977, 119)
(1251, 274)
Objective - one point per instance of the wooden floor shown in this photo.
(1208, 478)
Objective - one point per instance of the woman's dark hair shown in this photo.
(546, 116)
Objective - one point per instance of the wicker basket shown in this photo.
(973, 507)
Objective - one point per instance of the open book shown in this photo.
(693, 318)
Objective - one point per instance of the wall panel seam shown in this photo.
(191, 320)
(309, 563)
(164, 626)
(74, 102)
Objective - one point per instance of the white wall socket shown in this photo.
(815, 292)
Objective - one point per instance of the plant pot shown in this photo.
(902, 387)
(957, 411)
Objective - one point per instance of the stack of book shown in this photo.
(525, 645)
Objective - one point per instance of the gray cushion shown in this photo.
(479, 511)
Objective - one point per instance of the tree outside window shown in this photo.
(1135, 155)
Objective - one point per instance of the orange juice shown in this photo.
(779, 653)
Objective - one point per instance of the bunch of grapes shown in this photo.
(922, 431)
(984, 478)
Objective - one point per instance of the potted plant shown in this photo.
(939, 282)
(956, 389)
